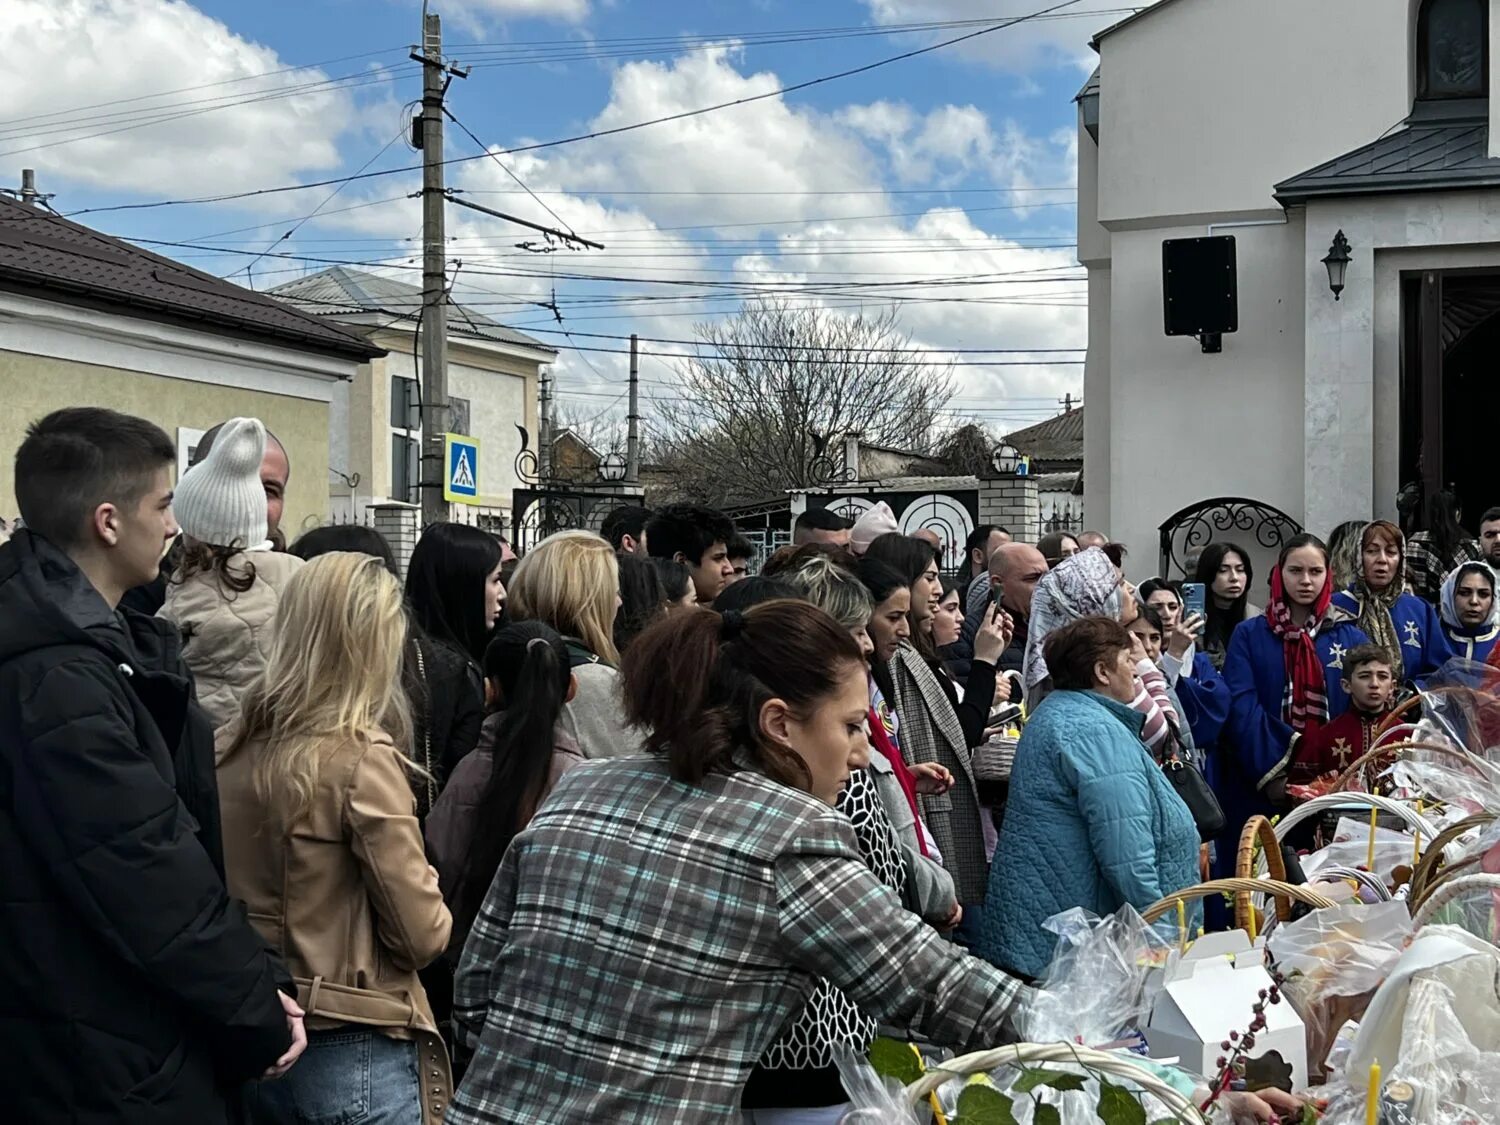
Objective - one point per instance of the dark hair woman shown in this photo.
(643, 598)
(1470, 611)
(1442, 544)
(345, 537)
(1393, 618)
(1225, 572)
(455, 595)
(1092, 821)
(1283, 671)
(935, 724)
(522, 753)
(721, 877)
(676, 583)
(1058, 545)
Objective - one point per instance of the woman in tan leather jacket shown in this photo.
(321, 842)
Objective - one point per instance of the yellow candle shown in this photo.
(1182, 923)
(1372, 1096)
(1370, 861)
(1252, 921)
(1416, 843)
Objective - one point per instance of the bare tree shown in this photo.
(770, 393)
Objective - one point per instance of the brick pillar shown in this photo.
(1013, 503)
(400, 524)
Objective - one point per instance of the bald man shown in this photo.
(1092, 539)
(1019, 567)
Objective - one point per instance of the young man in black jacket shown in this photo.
(132, 988)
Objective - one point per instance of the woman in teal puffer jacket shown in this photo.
(1091, 820)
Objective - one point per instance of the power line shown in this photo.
(601, 133)
(504, 167)
(203, 86)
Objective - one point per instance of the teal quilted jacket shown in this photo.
(1091, 822)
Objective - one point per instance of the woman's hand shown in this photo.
(951, 922)
(994, 635)
(1137, 649)
(931, 779)
(1264, 1105)
(294, 1014)
(1002, 689)
(1182, 635)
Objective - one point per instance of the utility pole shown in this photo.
(27, 192)
(544, 427)
(436, 75)
(633, 431)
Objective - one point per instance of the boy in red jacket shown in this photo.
(1370, 681)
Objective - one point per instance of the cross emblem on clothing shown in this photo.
(1412, 638)
(1336, 654)
(1343, 751)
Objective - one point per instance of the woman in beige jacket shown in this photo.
(225, 595)
(321, 842)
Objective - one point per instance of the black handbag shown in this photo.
(1188, 782)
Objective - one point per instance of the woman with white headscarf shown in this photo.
(1089, 585)
(1470, 611)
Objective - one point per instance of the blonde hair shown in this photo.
(333, 676)
(571, 581)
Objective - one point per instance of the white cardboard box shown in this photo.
(1208, 994)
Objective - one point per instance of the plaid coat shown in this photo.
(644, 941)
(930, 732)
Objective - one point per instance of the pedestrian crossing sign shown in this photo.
(461, 478)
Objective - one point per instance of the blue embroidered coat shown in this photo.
(1424, 645)
(1256, 746)
(1472, 644)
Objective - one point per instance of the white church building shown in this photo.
(1282, 123)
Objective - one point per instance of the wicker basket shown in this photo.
(992, 760)
(1435, 868)
(1030, 1054)
(1396, 749)
(1158, 909)
(1447, 892)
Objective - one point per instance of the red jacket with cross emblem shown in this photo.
(1335, 747)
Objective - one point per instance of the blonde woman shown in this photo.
(321, 843)
(571, 581)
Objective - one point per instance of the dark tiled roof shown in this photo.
(1056, 439)
(45, 255)
(342, 291)
(1425, 156)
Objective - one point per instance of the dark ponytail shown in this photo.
(695, 682)
(529, 663)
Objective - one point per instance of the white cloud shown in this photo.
(566, 11)
(63, 54)
(1061, 39)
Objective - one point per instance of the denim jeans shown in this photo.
(343, 1078)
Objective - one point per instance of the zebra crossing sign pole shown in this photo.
(461, 469)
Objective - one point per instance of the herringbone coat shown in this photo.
(930, 732)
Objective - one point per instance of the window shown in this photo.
(187, 447)
(1453, 49)
(406, 439)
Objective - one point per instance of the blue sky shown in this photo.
(943, 183)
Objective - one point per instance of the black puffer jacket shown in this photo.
(132, 988)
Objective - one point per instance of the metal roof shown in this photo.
(1425, 156)
(342, 291)
(1056, 439)
(45, 255)
(1150, 9)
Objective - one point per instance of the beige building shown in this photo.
(494, 375)
(86, 319)
(1282, 123)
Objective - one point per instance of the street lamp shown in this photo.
(612, 468)
(1006, 460)
(1337, 263)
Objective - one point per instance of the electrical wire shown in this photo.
(597, 134)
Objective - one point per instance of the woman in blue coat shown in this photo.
(1470, 612)
(1091, 820)
(1283, 670)
(1390, 615)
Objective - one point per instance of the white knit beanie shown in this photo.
(221, 501)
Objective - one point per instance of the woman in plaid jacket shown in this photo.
(663, 917)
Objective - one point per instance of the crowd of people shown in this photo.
(618, 830)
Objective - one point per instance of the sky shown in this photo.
(942, 184)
